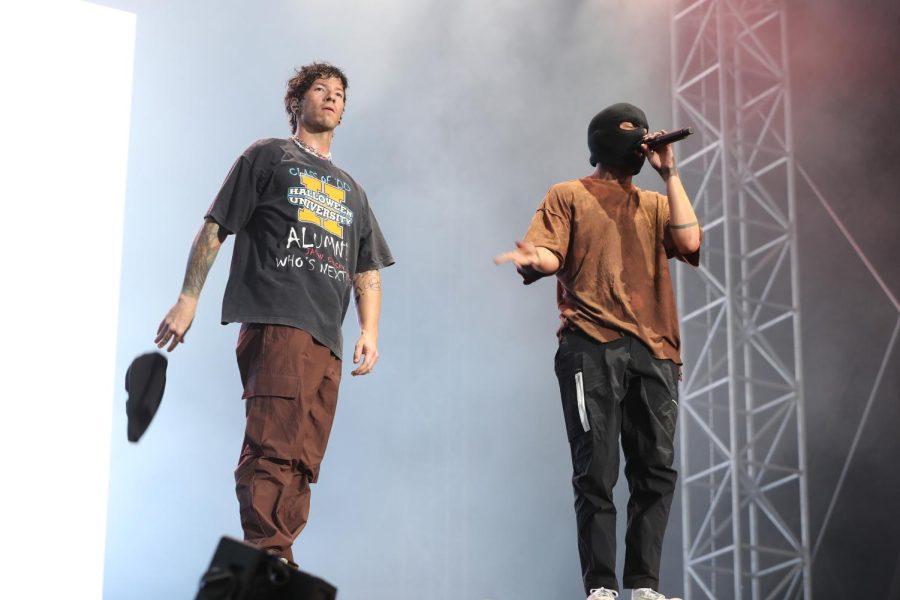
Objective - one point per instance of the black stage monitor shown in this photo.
(241, 571)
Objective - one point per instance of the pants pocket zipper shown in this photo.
(579, 395)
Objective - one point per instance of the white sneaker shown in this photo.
(603, 594)
(648, 594)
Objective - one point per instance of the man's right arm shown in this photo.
(203, 253)
(532, 262)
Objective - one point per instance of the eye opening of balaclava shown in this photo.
(610, 144)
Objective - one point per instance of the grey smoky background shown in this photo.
(447, 473)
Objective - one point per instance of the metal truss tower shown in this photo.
(744, 486)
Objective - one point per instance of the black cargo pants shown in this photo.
(609, 390)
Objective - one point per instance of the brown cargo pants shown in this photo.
(290, 387)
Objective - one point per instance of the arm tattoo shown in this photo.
(203, 253)
(683, 225)
(667, 172)
(366, 282)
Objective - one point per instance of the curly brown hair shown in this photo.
(303, 78)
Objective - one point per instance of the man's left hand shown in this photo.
(366, 351)
(661, 158)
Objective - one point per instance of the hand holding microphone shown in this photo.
(657, 149)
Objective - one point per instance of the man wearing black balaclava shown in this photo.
(618, 364)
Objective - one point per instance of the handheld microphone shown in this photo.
(669, 138)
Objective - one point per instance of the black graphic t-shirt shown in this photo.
(303, 228)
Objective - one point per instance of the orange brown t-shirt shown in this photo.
(613, 244)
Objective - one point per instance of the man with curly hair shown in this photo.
(304, 234)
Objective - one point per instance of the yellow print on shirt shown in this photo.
(321, 204)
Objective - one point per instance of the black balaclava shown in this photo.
(612, 145)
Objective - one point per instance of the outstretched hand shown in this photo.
(525, 255)
(176, 323)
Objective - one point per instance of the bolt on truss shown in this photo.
(744, 487)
